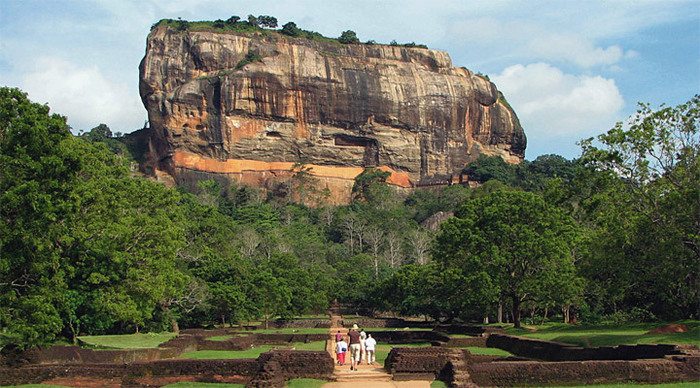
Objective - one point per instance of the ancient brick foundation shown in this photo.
(554, 351)
(534, 373)
(271, 369)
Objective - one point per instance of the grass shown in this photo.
(371, 329)
(609, 335)
(438, 384)
(227, 354)
(487, 351)
(190, 384)
(305, 383)
(290, 330)
(127, 341)
(253, 352)
(224, 337)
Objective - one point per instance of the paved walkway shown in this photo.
(366, 376)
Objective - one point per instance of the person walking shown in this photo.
(370, 347)
(338, 336)
(363, 337)
(340, 348)
(354, 347)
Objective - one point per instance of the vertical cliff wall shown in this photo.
(254, 107)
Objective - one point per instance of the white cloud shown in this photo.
(84, 95)
(525, 38)
(550, 102)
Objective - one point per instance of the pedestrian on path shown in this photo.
(370, 346)
(354, 347)
(340, 348)
(338, 336)
(363, 337)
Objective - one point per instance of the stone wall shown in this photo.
(554, 351)
(288, 364)
(506, 374)
(468, 341)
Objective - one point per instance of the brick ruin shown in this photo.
(534, 362)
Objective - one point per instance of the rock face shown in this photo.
(332, 108)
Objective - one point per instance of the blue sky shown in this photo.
(571, 69)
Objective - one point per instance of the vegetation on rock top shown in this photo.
(264, 24)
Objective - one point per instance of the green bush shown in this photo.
(348, 37)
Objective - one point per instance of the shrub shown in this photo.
(290, 29)
(267, 21)
(249, 58)
(182, 25)
(348, 37)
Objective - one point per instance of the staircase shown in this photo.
(364, 373)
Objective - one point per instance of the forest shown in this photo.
(90, 246)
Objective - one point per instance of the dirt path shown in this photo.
(368, 376)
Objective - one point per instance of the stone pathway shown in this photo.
(366, 376)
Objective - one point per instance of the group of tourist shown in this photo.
(361, 347)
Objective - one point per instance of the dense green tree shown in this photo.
(514, 237)
(348, 37)
(37, 169)
(291, 29)
(253, 21)
(486, 168)
(648, 216)
(267, 21)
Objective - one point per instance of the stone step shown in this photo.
(360, 376)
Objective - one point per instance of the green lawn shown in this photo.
(609, 335)
(438, 384)
(127, 341)
(372, 329)
(289, 330)
(252, 352)
(487, 351)
(312, 345)
(305, 383)
(224, 337)
(190, 384)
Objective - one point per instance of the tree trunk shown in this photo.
(566, 310)
(500, 311)
(544, 316)
(516, 311)
(376, 267)
(486, 319)
(175, 326)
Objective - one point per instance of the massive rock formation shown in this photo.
(255, 107)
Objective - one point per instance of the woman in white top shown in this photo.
(363, 337)
(370, 346)
(340, 348)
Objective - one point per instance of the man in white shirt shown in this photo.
(370, 346)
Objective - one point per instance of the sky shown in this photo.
(570, 69)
